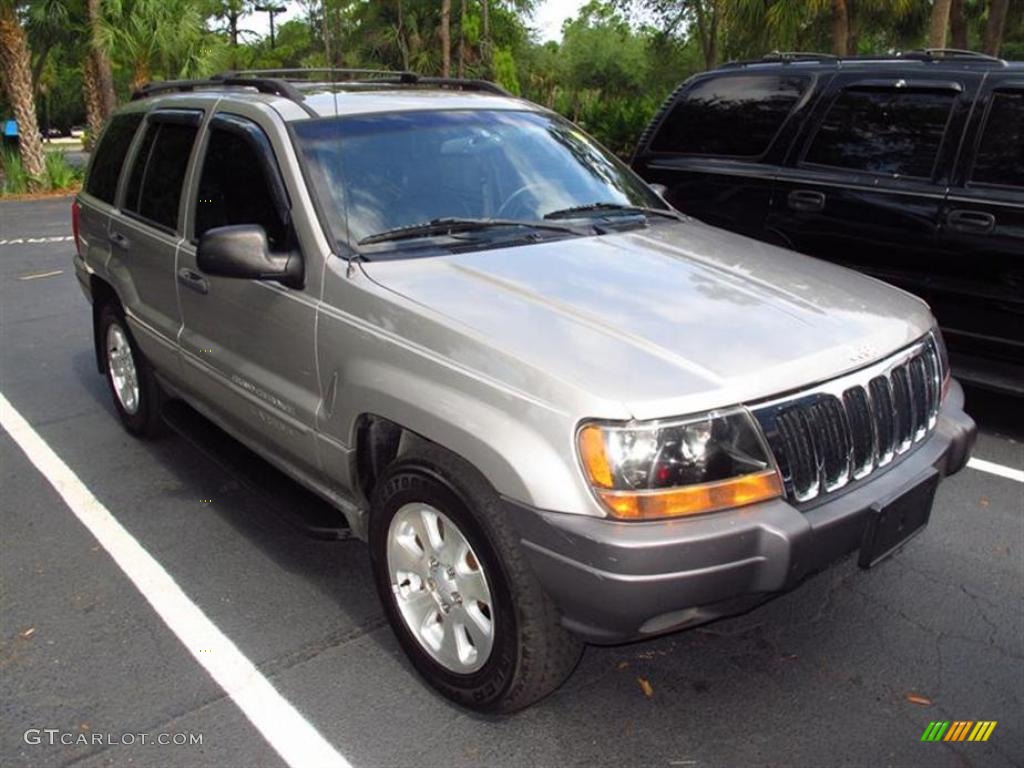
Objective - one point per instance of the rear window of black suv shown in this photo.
(732, 116)
(110, 155)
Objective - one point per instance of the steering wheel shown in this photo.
(515, 196)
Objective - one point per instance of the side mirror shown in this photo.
(659, 190)
(242, 251)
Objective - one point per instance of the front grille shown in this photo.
(846, 429)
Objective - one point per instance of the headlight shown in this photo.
(688, 466)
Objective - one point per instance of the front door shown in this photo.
(248, 346)
(978, 284)
(866, 188)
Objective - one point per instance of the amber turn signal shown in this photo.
(694, 499)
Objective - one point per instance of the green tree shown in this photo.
(15, 65)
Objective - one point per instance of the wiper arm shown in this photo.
(575, 211)
(447, 226)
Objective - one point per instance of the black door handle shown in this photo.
(116, 238)
(971, 221)
(192, 279)
(806, 200)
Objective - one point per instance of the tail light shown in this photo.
(75, 210)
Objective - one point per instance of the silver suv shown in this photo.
(558, 410)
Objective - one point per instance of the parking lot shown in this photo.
(849, 669)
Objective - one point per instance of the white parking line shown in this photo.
(997, 469)
(297, 742)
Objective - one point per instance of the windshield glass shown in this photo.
(374, 173)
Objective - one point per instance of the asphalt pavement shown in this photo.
(848, 669)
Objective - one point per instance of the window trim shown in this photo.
(808, 93)
(1013, 86)
(803, 162)
(158, 117)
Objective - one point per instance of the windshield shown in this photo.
(376, 173)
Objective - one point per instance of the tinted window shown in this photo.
(891, 131)
(733, 116)
(158, 174)
(233, 188)
(110, 154)
(1001, 155)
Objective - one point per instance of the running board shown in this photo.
(294, 504)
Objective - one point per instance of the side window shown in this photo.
(893, 131)
(233, 188)
(1000, 157)
(154, 187)
(110, 154)
(735, 116)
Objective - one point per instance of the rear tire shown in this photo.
(528, 653)
(133, 387)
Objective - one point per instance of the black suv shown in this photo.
(909, 168)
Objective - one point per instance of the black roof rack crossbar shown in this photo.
(955, 53)
(261, 84)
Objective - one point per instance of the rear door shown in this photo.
(865, 185)
(146, 229)
(978, 284)
(716, 149)
(248, 346)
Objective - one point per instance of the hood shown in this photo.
(671, 319)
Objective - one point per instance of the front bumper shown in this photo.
(617, 581)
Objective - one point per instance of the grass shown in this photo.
(58, 176)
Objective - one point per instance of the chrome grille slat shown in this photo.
(827, 438)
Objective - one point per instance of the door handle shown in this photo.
(971, 221)
(116, 238)
(192, 279)
(806, 200)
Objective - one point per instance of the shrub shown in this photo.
(59, 173)
(15, 180)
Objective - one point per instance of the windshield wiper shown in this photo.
(581, 210)
(447, 226)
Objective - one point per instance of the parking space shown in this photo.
(848, 669)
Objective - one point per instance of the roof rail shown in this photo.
(261, 84)
(288, 86)
(956, 53)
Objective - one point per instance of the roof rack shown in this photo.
(924, 54)
(270, 81)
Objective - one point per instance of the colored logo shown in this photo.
(958, 730)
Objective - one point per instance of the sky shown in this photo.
(547, 18)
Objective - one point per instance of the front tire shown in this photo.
(456, 588)
(133, 387)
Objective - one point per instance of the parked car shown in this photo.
(558, 410)
(909, 168)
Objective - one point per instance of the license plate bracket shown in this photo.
(894, 521)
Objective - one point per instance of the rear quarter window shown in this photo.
(737, 116)
(891, 131)
(110, 154)
(1000, 159)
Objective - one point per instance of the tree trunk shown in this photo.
(140, 74)
(462, 38)
(958, 26)
(485, 35)
(939, 24)
(446, 38)
(17, 76)
(94, 117)
(995, 26)
(840, 27)
(101, 60)
(707, 31)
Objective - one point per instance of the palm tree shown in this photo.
(97, 61)
(939, 24)
(445, 34)
(995, 26)
(15, 65)
(150, 35)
